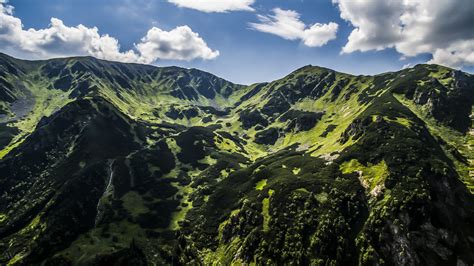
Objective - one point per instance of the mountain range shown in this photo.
(107, 163)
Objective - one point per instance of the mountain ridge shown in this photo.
(112, 163)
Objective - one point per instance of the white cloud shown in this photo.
(319, 34)
(174, 44)
(59, 40)
(443, 29)
(287, 24)
(215, 5)
(457, 54)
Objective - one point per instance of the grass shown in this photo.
(225, 144)
(91, 244)
(261, 184)
(208, 160)
(352, 108)
(296, 170)
(133, 203)
(442, 74)
(340, 113)
(224, 223)
(225, 173)
(47, 101)
(371, 176)
(31, 231)
(463, 143)
(17, 140)
(17, 258)
(150, 102)
(180, 215)
(322, 197)
(3, 218)
(400, 120)
(221, 256)
(266, 211)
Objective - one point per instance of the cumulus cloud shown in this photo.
(443, 29)
(457, 54)
(287, 24)
(59, 40)
(215, 5)
(174, 44)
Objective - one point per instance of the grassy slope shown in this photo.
(286, 181)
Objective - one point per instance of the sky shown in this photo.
(245, 41)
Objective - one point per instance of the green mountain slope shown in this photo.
(106, 163)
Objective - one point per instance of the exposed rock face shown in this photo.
(105, 163)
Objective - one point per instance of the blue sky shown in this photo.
(246, 55)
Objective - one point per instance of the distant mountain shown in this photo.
(106, 163)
